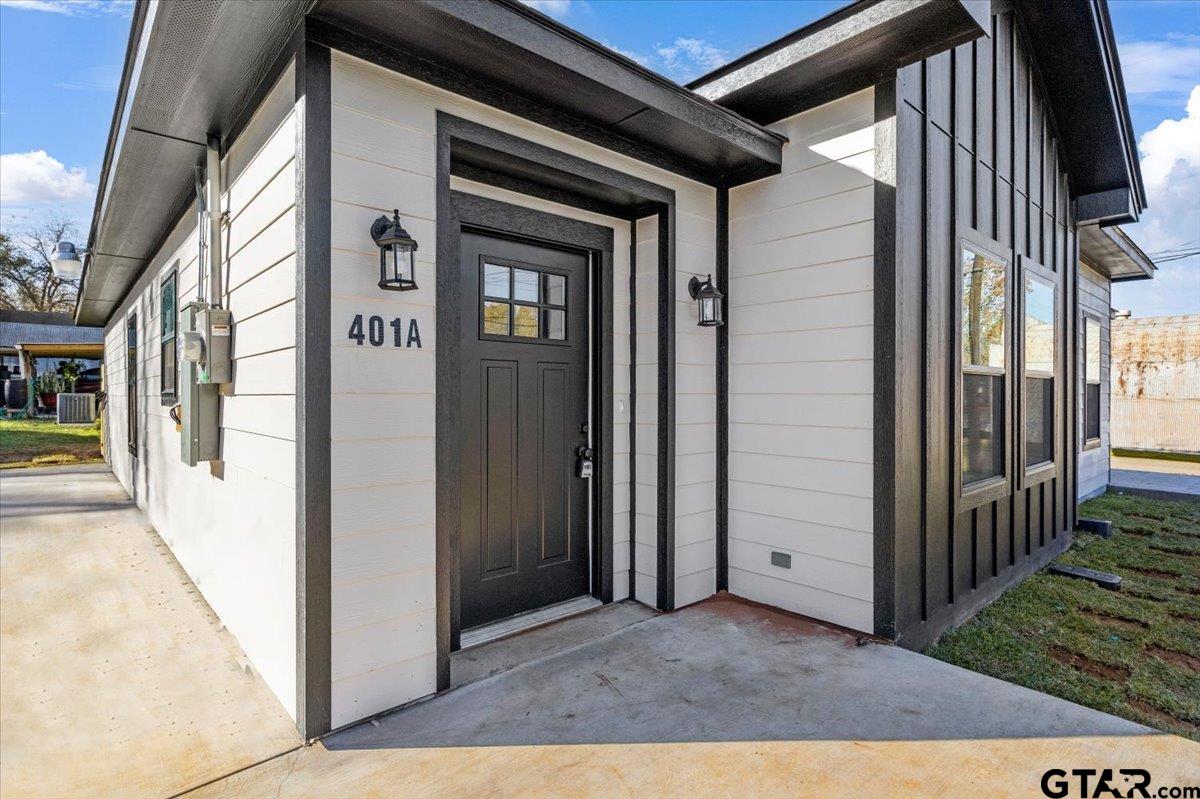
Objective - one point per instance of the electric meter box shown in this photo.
(215, 325)
(199, 396)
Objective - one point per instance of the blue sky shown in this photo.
(56, 102)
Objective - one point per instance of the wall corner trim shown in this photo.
(313, 485)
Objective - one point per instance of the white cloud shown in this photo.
(73, 8)
(1171, 171)
(1170, 65)
(36, 177)
(640, 58)
(685, 58)
(553, 8)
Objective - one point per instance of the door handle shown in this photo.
(585, 464)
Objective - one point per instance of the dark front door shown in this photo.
(524, 540)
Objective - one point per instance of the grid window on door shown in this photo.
(523, 303)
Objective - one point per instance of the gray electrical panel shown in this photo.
(205, 362)
(216, 327)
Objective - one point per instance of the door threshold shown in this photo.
(487, 633)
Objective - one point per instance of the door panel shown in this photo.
(499, 533)
(524, 361)
(554, 469)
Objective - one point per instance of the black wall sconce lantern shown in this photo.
(397, 254)
(708, 302)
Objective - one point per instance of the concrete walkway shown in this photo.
(722, 698)
(116, 680)
(1178, 483)
(115, 677)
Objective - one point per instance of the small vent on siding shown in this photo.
(76, 408)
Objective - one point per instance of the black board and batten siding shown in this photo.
(975, 150)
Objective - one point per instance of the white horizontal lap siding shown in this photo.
(801, 370)
(645, 550)
(231, 525)
(695, 414)
(384, 139)
(1095, 297)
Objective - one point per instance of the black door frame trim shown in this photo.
(651, 199)
(504, 220)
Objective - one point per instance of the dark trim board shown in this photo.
(888, 402)
(722, 386)
(313, 516)
(591, 182)
(633, 225)
(665, 581)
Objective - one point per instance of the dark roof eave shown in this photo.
(844, 52)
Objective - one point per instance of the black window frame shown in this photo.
(1039, 472)
(168, 393)
(1091, 442)
(972, 495)
(512, 302)
(131, 378)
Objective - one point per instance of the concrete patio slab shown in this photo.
(722, 698)
(1158, 485)
(115, 677)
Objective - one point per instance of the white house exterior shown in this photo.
(542, 422)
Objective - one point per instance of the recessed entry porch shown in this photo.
(724, 697)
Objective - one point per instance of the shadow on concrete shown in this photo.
(725, 671)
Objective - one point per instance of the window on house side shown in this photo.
(169, 376)
(1039, 371)
(1091, 388)
(131, 377)
(983, 365)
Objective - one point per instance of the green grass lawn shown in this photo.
(1133, 653)
(42, 442)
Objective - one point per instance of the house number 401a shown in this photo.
(373, 332)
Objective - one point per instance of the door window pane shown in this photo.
(525, 321)
(495, 281)
(1039, 420)
(983, 427)
(555, 288)
(982, 310)
(1039, 325)
(495, 318)
(554, 324)
(525, 285)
